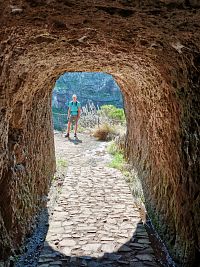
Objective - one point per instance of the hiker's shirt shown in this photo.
(74, 106)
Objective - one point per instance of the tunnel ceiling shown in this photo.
(42, 39)
(152, 50)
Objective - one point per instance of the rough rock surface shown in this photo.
(152, 49)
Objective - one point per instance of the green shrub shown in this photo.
(118, 161)
(113, 112)
(130, 175)
(112, 148)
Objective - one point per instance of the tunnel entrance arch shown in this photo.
(160, 85)
(94, 90)
(141, 87)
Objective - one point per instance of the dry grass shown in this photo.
(103, 132)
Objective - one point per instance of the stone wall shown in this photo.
(152, 50)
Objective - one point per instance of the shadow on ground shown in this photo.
(75, 141)
(137, 252)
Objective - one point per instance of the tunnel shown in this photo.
(151, 48)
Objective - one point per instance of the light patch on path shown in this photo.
(95, 222)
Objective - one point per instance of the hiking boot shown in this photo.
(67, 135)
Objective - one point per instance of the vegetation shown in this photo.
(130, 174)
(81, 129)
(118, 161)
(91, 117)
(103, 132)
(113, 113)
(112, 148)
(61, 163)
(109, 114)
(107, 121)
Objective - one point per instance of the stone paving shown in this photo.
(95, 222)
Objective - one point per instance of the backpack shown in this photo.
(72, 102)
(76, 104)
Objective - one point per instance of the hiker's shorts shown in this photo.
(73, 118)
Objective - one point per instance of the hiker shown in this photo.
(74, 112)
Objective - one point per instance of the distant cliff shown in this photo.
(98, 87)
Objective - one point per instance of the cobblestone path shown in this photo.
(95, 222)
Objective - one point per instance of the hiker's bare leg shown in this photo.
(68, 126)
(76, 126)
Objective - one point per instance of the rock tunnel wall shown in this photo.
(27, 169)
(166, 154)
(152, 50)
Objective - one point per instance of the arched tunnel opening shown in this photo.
(97, 93)
(156, 64)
